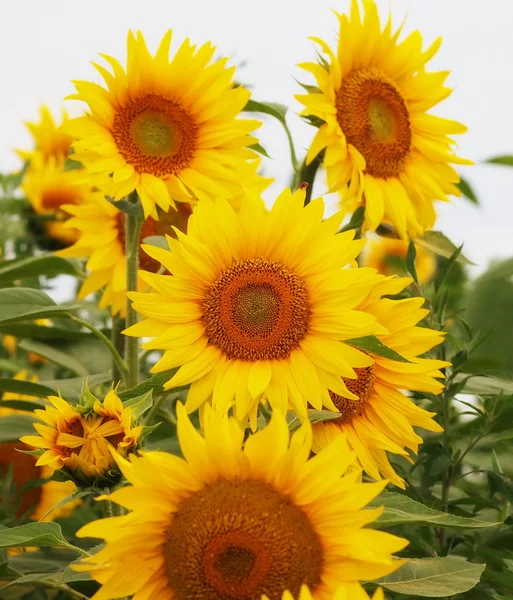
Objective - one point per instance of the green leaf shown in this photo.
(436, 242)
(372, 344)
(434, 577)
(356, 221)
(29, 388)
(76, 495)
(71, 388)
(48, 265)
(43, 332)
(410, 260)
(278, 111)
(140, 404)
(314, 416)
(155, 383)
(12, 427)
(24, 405)
(128, 207)
(401, 510)
(35, 578)
(70, 575)
(483, 385)
(157, 240)
(466, 189)
(260, 149)
(32, 534)
(445, 268)
(56, 356)
(505, 160)
(27, 304)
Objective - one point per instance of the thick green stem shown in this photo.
(118, 360)
(307, 174)
(118, 342)
(132, 232)
(153, 410)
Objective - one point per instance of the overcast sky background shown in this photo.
(46, 44)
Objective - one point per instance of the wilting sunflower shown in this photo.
(80, 440)
(166, 128)
(50, 142)
(340, 594)
(48, 187)
(387, 256)
(227, 522)
(258, 304)
(382, 418)
(102, 240)
(382, 147)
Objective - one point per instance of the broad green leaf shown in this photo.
(157, 240)
(27, 304)
(140, 404)
(28, 388)
(436, 242)
(356, 221)
(48, 265)
(42, 332)
(155, 383)
(43, 561)
(71, 388)
(24, 405)
(34, 578)
(70, 575)
(32, 534)
(410, 260)
(314, 416)
(401, 510)
(55, 356)
(485, 386)
(505, 160)
(434, 577)
(12, 427)
(372, 344)
(466, 189)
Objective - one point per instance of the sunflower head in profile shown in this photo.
(166, 128)
(258, 305)
(101, 239)
(50, 142)
(382, 148)
(48, 187)
(229, 521)
(79, 439)
(387, 255)
(382, 418)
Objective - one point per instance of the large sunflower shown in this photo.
(381, 420)
(49, 140)
(387, 255)
(47, 187)
(165, 128)
(79, 440)
(383, 148)
(229, 523)
(258, 305)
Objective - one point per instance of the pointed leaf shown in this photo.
(372, 344)
(436, 242)
(27, 304)
(56, 356)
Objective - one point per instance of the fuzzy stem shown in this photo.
(132, 232)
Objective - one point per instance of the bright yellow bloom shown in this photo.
(165, 128)
(50, 142)
(384, 255)
(82, 442)
(381, 420)
(342, 594)
(258, 305)
(383, 149)
(233, 522)
(48, 187)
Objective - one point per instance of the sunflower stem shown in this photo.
(307, 174)
(132, 233)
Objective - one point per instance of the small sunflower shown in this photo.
(165, 128)
(101, 228)
(386, 254)
(382, 147)
(382, 418)
(80, 440)
(258, 304)
(50, 142)
(48, 187)
(229, 522)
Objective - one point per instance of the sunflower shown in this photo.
(382, 147)
(227, 522)
(165, 128)
(79, 440)
(50, 142)
(386, 255)
(381, 420)
(257, 305)
(48, 188)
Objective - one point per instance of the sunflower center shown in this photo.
(238, 540)
(177, 218)
(75, 428)
(375, 120)
(257, 309)
(362, 387)
(155, 135)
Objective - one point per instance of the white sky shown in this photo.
(45, 44)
